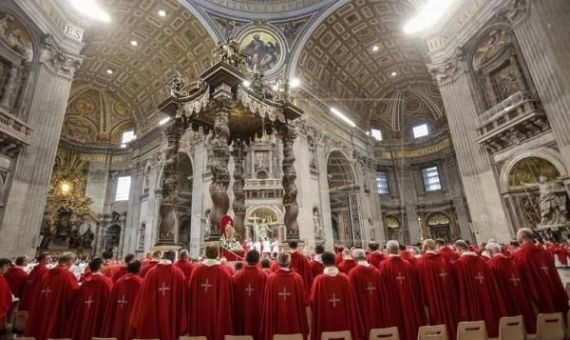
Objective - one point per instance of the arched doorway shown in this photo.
(263, 222)
(343, 194)
(184, 181)
(393, 229)
(439, 226)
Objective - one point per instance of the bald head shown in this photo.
(493, 248)
(393, 247)
(524, 235)
(428, 245)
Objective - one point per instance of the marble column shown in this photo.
(26, 199)
(479, 178)
(290, 188)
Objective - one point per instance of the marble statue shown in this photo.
(318, 227)
(262, 229)
(206, 226)
(552, 202)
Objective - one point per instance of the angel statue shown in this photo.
(228, 52)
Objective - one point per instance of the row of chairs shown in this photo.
(549, 327)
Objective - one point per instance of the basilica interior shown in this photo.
(130, 125)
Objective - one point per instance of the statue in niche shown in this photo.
(87, 238)
(141, 236)
(317, 225)
(552, 202)
(206, 226)
(146, 181)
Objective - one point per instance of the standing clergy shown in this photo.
(36, 275)
(365, 280)
(150, 264)
(5, 293)
(210, 299)
(50, 308)
(185, 264)
(120, 305)
(89, 307)
(479, 297)
(248, 289)
(438, 288)
(401, 304)
(445, 250)
(284, 303)
(375, 256)
(17, 276)
(316, 263)
(122, 271)
(159, 311)
(300, 264)
(511, 287)
(347, 262)
(539, 274)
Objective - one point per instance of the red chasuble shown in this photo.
(346, 266)
(438, 291)
(448, 254)
(317, 268)
(366, 283)
(512, 289)
(89, 307)
(119, 307)
(338, 258)
(186, 267)
(541, 278)
(375, 258)
(17, 278)
(5, 300)
(479, 296)
(210, 301)
(284, 305)
(50, 308)
(401, 302)
(300, 264)
(150, 264)
(334, 306)
(159, 311)
(248, 289)
(122, 271)
(34, 279)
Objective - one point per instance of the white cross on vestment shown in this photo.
(284, 294)
(334, 300)
(370, 287)
(249, 289)
(480, 278)
(400, 278)
(122, 302)
(544, 268)
(89, 302)
(206, 285)
(163, 288)
(515, 280)
(443, 274)
(46, 291)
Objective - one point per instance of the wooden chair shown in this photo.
(344, 335)
(512, 328)
(238, 337)
(297, 336)
(435, 332)
(472, 330)
(390, 333)
(550, 327)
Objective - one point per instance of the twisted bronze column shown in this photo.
(239, 153)
(290, 189)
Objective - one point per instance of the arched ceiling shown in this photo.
(175, 43)
(349, 60)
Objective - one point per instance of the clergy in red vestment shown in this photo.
(50, 308)
(185, 264)
(266, 266)
(89, 307)
(338, 251)
(375, 256)
(539, 275)
(120, 305)
(248, 288)
(17, 276)
(448, 254)
(159, 310)
(365, 279)
(438, 288)
(334, 306)
(511, 287)
(39, 271)
(210, 299)
(122, 270)
(316, 263)
(284, 302)
(401, 300)
(347, 262)
(150, 264)
(300, 264)
(5, 293)
(479, 296)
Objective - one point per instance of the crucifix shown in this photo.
(480, 278)
(443, 274)
(46, 291)
(206, 285)
(122, 301)
(334, 300)
(544, 268)
(370, 287)
(284, 294)
(89, 302)
(400, 278)
(163, 288)
(249, 289)
(515, 280)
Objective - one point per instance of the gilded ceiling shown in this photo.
(137, 74)
(359, 59)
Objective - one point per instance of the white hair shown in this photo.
(359, 254)
(493, 248)
(393, 247)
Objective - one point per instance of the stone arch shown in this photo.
(276, 224)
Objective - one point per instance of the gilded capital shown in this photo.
(61, 63)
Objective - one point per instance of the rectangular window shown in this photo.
(376, 134)
(420, 130)
(382, 183)
(431, 179)
(128, 136)
(123, 188)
